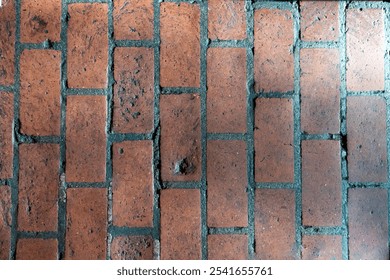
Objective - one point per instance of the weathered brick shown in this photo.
(321, 183)
(227, 247)
(5, 222)
(321, 247)
(37, 249)
(6, 132)
(226, 90)
(87, 45)
(180, 224)
(132, 248)
(365, 49)
(368, 224)
(320, 91)
(226, 19)
(133, 90)
(180, 137)
(274, 151)
(7, 43)
(40, 91)
(227, 202)
(133, 19)
(273, 58)
(38, 187)
(366, 127)
(180, 47)
(86, 222)
(40, 21)
(132, 184)
(275, 224)
(86, 139)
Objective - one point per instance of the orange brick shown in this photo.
(132, 248)
(227, 247)
(37, 249)
(5, 222)
(7, 43)
(6, 132)
(321, 247)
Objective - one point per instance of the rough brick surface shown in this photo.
(6, 131)
(321, 247)
(132, 248)
(7, 43)
(5, 221)
(227, 247)
(36, 249)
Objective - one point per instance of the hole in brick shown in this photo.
(183, 167)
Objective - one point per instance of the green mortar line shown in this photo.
(179, 90)
(289, 94)
(365, 4)
(368, 185)
(311, 230)
(121, 137)
(329, 136)
(40, 235)
(320, 45)
(6, 182)
(227, 136)
(27, 139)
(86, 91)
(181, 185)
(387, 92)
(80, 185)
(228, 44)
(42, 46)
(367, 93)
(134, 43)
(259, 4)
(277, 185)
(228, 230)
(4, 89)
(85, 1)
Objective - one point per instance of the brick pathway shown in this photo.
(213, 129)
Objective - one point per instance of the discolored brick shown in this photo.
(7, 43)
(5, 222)
(37, 249)
(321, 247)
(6, 132)
(132, 248)
(227, 247)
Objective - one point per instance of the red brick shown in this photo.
(321, 183)
(180, 46)
(321, 247)
(274, 151)
(226, 19)
(273, 59)
(180, 137)
(319, 20)
(5, 222)
(366, 127)
(180, 224)
(38, 187)
(37, 249)
(40, 21)
(132, 248)
(133, 19)
(7, 43)
(132, 184)
(226, 90)
(320, 91)
(368, 224)
(87, 45)
(86, 139)
(365, 49)
(40, 92)
(133, 90)
(227, 202)
(6, 132)
(86, 221)
(275, 224)
(227, 247)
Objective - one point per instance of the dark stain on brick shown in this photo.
(38, 24)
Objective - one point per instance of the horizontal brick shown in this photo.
(180, 47)
(5, 222)
(366, 127)
(86, 224)
(133, 90)
(38, 187)
(37, 249)
(132, 248)
(180, 137)
(321, 247)
(273, 139)
(87, 45)
(86, 139)
(227, 247)
(7, 43)
(227, 201)
(226, 90)
(40, 92)
(6, 133)
(180, 224)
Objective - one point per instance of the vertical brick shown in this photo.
(6, 132)
(132, 248)
(38, 187)
(86, 222)
(320, 91)
(226, 19)
(133, 90)
(366, 127)
(180, 137)
(37, 249)
(227, 247)
(180, 47)
(368, 224)
(133, 19)
(87, 45)
(5, 222)
(319, 20)
(180, 224)
(365, 49)
(226, 90)
(273, 58)
(86, 139)
(132, 184)
(274, 151)
(40, 21)
(275, 224)
(40, 92)
(321, 247)
(227, 202)
(321, 183)
(7, 43)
